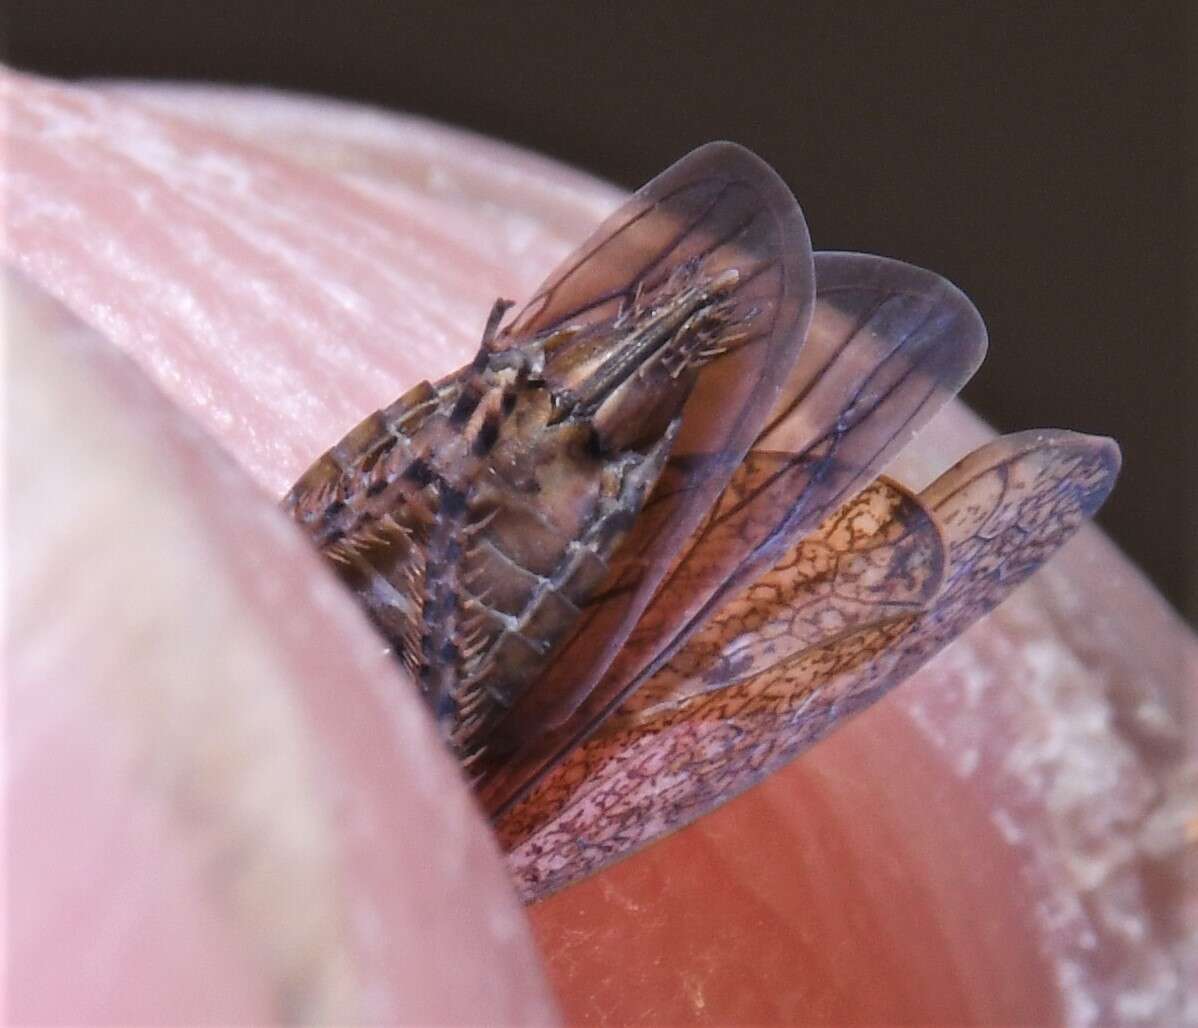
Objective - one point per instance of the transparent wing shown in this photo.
(888, 345)
(721, 207)
(998, 515)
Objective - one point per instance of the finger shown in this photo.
(218, 774)
(1088, 636)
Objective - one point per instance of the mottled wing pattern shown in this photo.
(878, 558)
(994, 519)
(719, 208)
(888, 345)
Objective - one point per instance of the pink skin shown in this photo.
(224, 804)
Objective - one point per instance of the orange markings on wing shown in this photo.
(994, 519)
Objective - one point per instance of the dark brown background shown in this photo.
(1038, 156)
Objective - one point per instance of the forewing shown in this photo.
(888, 345)
(721, 208)
(999, 515)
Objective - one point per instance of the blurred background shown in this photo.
(1040, 156)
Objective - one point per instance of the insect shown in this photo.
(637, 554)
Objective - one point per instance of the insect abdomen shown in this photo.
(474, 559)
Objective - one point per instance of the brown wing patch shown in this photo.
(1003, 512)
(877, 558)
